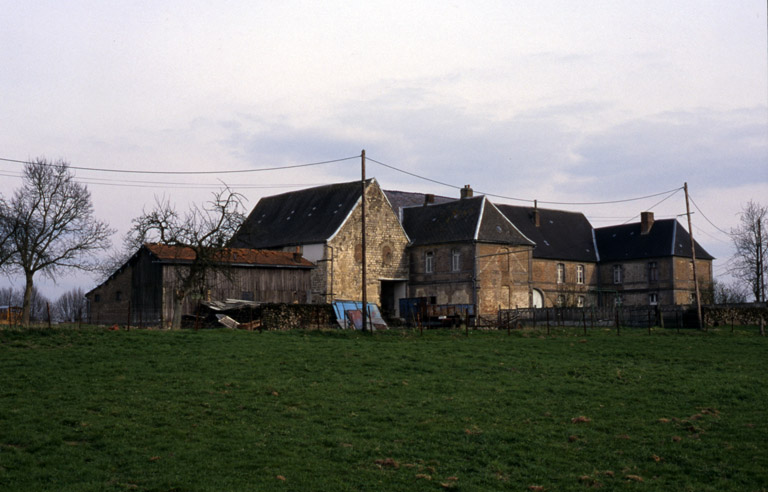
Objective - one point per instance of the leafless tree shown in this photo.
(205, 230)
(70, 306)
(751, 241)
(52, 225)
(6, 232)
(729, 293)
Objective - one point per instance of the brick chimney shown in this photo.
(429, 198)
(297, 254)
(646, 222)
(466, 192)
(536, 216)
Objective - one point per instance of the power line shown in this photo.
(672, 193)
(707, 218)
(129, 183)
(608, 202)
(230, 171)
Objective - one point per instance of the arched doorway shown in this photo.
(537, 298)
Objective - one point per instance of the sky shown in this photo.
(568, 103)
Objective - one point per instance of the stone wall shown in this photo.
(386, 243)
(544, 278)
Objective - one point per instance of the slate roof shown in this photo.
(403, 199)
(469, 219)
(667, 237)
(561, 235)
(306, 216)
(239, 256)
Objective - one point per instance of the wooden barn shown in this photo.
(141, 291)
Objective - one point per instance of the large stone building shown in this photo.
(324, 225)
(467, 250)
(649, 263)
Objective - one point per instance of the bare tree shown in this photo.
(6, 232)
(751, 241)
(52, 226)
(205, 230)
(729, 293)
(70, 306)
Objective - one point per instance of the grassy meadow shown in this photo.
(220, 410)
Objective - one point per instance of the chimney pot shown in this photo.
(536, 215)
(466, 192)
(429, 198)
(646, 222)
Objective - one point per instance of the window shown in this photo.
(579, 274)
(653, 299)
(429, 262)
(386, 255)
(653, 271)
(455, 260)
(580, 301)
(618, 300)
(560, 273)
(617, 274)
(246, 295)
(560, 300)
(97, 298)
(118, 296)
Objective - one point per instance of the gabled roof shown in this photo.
(561, 235)
(404, 199)
(308, 216)
(234, 256)
(667, 237)
(465, 220)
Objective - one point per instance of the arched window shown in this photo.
(429, 262)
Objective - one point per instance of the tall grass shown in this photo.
(222, 410)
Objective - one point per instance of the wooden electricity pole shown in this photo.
(693, 256)
(362, 248)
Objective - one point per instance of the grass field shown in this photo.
(221, 410)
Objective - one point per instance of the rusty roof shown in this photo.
(241, 256)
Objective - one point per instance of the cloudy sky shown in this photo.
(554, 100)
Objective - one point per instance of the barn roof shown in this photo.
(667, 237)
(305, 216)
(235, 256)
(468, 219)
(561, 235)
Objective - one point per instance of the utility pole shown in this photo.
(362, 247)
(693, 256)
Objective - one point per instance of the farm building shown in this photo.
(141, 291)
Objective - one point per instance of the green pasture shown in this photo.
(219, 410)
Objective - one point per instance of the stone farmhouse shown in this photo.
(140, 292)
(467, 250)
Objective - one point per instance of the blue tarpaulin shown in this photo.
(349, 314)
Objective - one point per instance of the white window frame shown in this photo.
(561, 273)
(560, 300)
(455, 260)
(429, 262)
(580, 274)
(617, 274)
(580, 301)
(653, 299)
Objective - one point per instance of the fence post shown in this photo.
(129, 316)
(48, 312)
(547, 312)
(617, 322)
(762, 326)
(584, 320)
(649, 321)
